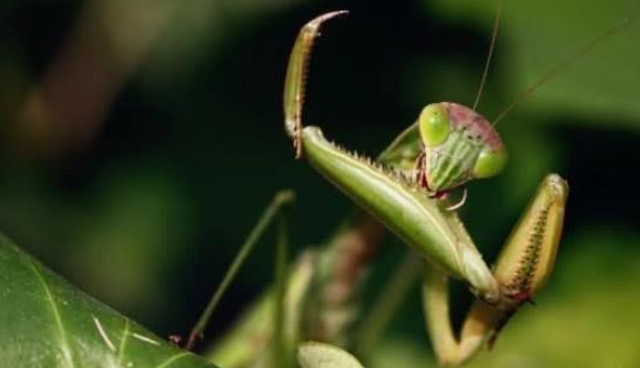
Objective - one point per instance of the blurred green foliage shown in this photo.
(143, 201)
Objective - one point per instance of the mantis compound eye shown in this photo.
(435, 124)
(490, 163)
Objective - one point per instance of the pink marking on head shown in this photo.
(462, 116)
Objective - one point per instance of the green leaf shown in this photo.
(46, 322)
(537, 36)
(319, 355)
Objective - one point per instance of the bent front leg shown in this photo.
(522, 270)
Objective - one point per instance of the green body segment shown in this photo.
(404, 209)
(386, 199)
(294, 85)
(527, 259)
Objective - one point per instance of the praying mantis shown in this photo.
(407, 190)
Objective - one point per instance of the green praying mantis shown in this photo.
(406, 190)
(312, 305)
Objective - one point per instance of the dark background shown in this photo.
(141, 140)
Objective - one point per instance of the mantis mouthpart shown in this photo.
(405, 189)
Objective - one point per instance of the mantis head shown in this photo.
(459, 145)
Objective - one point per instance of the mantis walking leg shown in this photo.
(284, 296)
(318, 301)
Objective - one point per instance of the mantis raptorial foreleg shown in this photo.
(405, 190)
(522, 269)
(392, 196)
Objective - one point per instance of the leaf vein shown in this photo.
(64, 342)
(123, 341)
(172, 360)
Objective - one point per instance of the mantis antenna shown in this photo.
(568, 61)
(494, 36)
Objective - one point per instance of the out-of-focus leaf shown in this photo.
(319, 355)
(398, 352)
(538, 35)
(136, 213)
(198, 28)
(46, 322)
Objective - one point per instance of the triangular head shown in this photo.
(459, 145)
